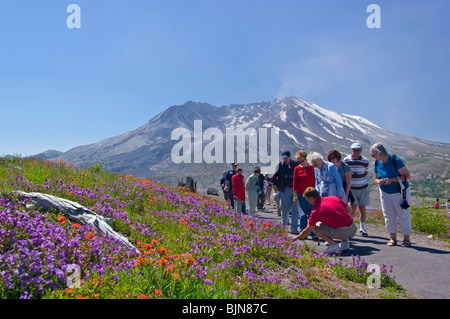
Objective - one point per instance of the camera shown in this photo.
(404, 205)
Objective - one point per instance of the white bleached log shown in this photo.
(74, 211)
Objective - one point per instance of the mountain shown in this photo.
(147, 151)
(49, 154)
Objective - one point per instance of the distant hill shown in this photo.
(146, 151)
(49, 154)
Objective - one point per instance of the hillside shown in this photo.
(189, 247)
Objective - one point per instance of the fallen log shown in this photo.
(75, 212)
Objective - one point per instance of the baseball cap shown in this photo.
(285, 154)
(356, 145)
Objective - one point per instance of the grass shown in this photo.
(429, 220)
(189, 247)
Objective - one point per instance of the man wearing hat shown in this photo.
(359, 166)
(283, 180)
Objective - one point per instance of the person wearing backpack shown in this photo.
(253, 189)
(283, 179)
(392, 177)
(229, 183)
(225, 193)
(268, 188)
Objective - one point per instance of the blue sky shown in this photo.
(130, 60)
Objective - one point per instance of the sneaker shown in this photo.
(332, 249)
(345, 245)
(294, 232)
(363, 232)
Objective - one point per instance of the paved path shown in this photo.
(422, 270)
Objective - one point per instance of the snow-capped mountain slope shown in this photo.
(146, 151)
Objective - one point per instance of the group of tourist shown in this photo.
(257, 186)
(322, 197)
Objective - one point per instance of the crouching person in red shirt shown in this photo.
(330, 219)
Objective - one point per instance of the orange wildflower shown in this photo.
(90, 236)
(158, 292)
(62, 220)
(163, 262)
(267, 225)
(189, 261)
(146, 247)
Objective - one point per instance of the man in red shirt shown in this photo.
(239, 190)
(335, 220)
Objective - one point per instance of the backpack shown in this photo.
(227, 186)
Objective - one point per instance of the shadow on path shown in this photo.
(429, 250)
(377, 240)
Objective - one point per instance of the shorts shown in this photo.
(360, 196)
(341, 233)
